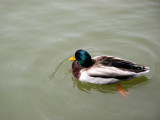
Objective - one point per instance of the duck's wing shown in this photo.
(108, 72)
(112, 67)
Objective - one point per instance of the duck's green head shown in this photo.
(83, 57)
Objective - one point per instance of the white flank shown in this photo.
(96, 80)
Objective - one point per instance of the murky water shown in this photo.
(38, 37)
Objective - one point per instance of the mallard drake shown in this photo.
(104, 69)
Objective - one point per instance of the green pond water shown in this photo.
(38, 36)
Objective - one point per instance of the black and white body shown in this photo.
(104, 69)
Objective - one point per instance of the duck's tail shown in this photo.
(145, 70)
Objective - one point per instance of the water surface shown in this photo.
(38, 37)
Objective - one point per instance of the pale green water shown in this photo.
(38, 37)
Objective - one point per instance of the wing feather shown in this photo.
(108, 72)
(108, 66)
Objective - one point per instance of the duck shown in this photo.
(104, 69)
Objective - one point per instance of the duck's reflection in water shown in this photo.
(111, 88)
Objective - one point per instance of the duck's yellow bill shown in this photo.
(72, 59)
